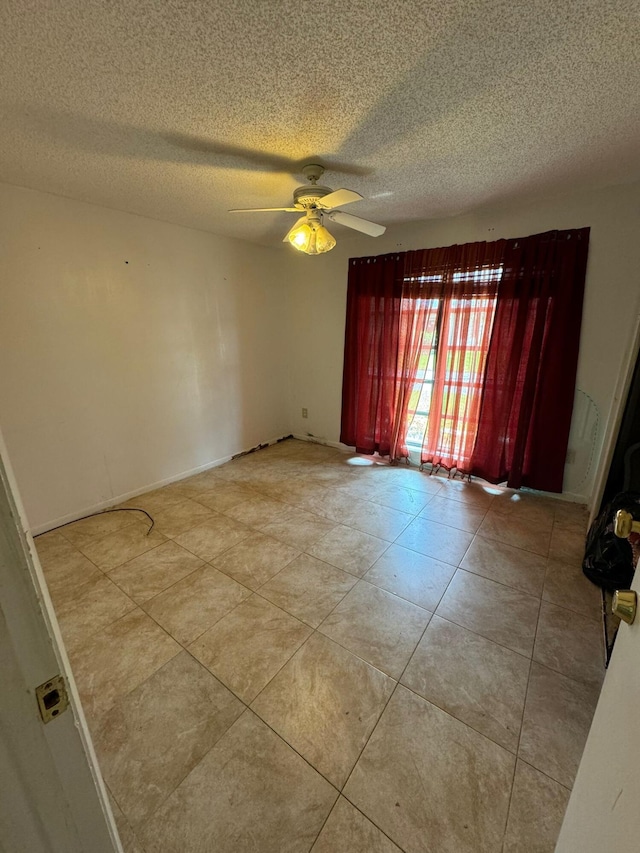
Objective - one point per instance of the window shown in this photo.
(457, 330)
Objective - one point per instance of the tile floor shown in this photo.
(311, 654)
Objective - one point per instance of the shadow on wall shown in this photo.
(584, 443)
(257, 353)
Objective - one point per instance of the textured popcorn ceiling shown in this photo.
(181, 109)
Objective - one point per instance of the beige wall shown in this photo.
(612, 302)
(131, 351)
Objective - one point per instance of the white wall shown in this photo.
(131, 351)
(317, 305)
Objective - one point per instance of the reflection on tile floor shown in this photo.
(308, 654)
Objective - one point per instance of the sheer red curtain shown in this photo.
(422, 292)
(529, 384)
(371, 384)
(471, 274)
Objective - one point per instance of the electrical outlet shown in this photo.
(305, 413)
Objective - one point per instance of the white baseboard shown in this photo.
(118, 499)
(570, 497)
(312, 439)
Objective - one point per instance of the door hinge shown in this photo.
(52, 698)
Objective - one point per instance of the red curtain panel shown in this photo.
(529, 383)
(371, 384)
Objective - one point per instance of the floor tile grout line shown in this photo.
(247, 707)
(364, 660)
(299, 754)
(188, 773)
(570, 610)
(60, 530)
(485, 535)
(324, 637)
(397, 684)
(386, 591)
(221, 552)
(543, 773)
(186, 647)
(324, 823)
(115, 799)
(210, 563)
(579, 681)
(142, 604)
(313, 627)
(150, 675)
(244, 601)
(526, 697)
(544, 601)
(152, 814)
(359, 810)
(508, 809)
(281, 736)
(255, 589)
(517, 752)
(453, 716)
(351, 651)
(215, 622)
(366, 743)
(550, 669)
(484, 637)
(501, 583)
(403, 597)
(432, 702)
(124, 562)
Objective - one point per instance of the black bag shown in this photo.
(608, 560)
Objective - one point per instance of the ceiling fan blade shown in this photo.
(338, 198)
(264, 209)
(295, 225)
(358, 224)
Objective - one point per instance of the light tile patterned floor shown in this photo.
(310, 654)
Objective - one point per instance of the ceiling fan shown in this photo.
(308, 234)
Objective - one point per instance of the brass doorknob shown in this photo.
(624, 605)
(624, 524)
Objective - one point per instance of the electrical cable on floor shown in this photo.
(103, 511)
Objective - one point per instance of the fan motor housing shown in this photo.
(309, 195)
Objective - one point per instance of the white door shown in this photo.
(603, 815)
(52, 799)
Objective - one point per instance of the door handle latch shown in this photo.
(625, 602)
(52, 698)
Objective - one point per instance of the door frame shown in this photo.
(620, 394)
(53, 798)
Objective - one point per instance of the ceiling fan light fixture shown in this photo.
(300, 237)
(311, 237)
(308, 234)
(324, 241)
